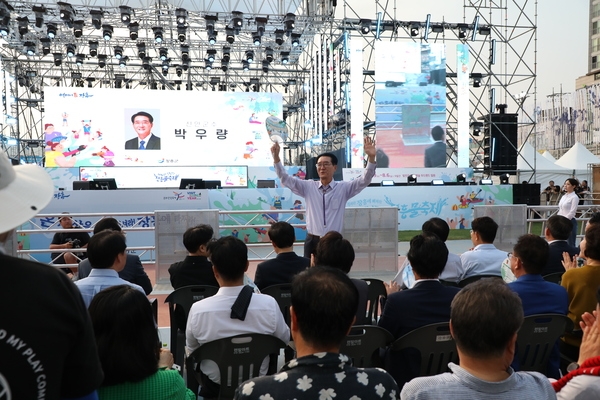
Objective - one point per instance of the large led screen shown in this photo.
(410, 94)
(120, 127)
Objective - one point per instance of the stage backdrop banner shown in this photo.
(93, 127)
(400, 175)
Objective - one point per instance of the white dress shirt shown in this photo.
(484, 259)
(567, 206)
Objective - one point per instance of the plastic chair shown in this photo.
(376, 297)
(363, 343)
(435, 345)
(448, 283)
(537, 338)
(475, 278)
(239, 358)
(555, 277)
(180, 302)
(282, 293)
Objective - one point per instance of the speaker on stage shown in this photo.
(500, 143)
(526, 193)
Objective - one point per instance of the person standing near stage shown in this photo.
(325, 199)
(567, 206)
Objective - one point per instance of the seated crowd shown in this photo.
(113, 350)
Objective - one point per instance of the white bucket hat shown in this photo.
(24, 191)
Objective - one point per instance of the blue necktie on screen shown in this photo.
(142, 147)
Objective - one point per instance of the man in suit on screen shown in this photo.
(435, 155)
(145, 140)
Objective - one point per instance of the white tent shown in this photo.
(548, 155)
(530, 162)
(577, 160)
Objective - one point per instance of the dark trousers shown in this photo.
(573, 235)
(310, 244)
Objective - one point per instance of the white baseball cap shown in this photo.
(24, 191)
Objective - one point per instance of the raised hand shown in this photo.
(275, 152)
(369, 148)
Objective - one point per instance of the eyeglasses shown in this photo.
(324, 164)
(510, 256)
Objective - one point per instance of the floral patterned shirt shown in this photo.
(322, 376)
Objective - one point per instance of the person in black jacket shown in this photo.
(558, 229)
(195, 269)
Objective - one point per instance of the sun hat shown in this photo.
(24, 191)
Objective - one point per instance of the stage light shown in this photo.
(29, 48)
(387, 183)
(476, 76)
(269, 54)
(365, 26)
(230, 35)
(181, 15)
(39, 11)
(45, 46)
(485, 30)
(289, 22)
(163, 53)
(212, 38)
(486, 182)
(78, 28)
(226, 54)
(279, 37)
(285, 57)
(296, 39)
(165, 66)
(79, 59)
(245, 65)
(462, 31)
(96, 19)
(476, 127)
(107, 32)
(123, 61)
(411, 179)
(66, 13)
(57, 59)
(4, 26)
(437, 182)
(141, 46)
(178, 70)
(261, 22)
(51, 31)
(211, 55)
(158, 34)
(185, 52)
(461, 178)
(210, 20)
(125, 14)
(146, 62)
(265, 66)
(118, 52)
(504, 179)
(250, 56)
(185, 65)
(237, 21)
(181, 33)
(134, 28)
(256, 39)
(415, 27)
(437, 28)
(70, 50)
(208, 65)
(23, 24)
(224, 66)
(102, 60)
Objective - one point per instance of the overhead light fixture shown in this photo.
(250, 56)
(365, 26)
(79, 59)
(211, 55)
(145, 62)
(261, 23)
(285, 57)
(296, 39)
(118, 52)
(181, 15)
(269, 54)
(66, 13)
(163, 53)
(23, 25)
(39, 11)
(461, 178)
(476, 76)
(230, 35)
(125, 15)
(134, 28)
(265, 66)
(165, 66)
(29, 48)
(96, 19)
(245, 65)
(476, 127)
(158, 34)
(504, 179)
(226, 54)
(414, 28)
(123, 61)
(45, 45)
(179, 70)
(5, 23)
(224, 65)
(289, 22)
(485, 30)
(93, 45)
(181, 33)
(70, 50)
(462, 31)
(486, 181)
(211, 20)
(102, 60)
(78, 28)
(185, 52)
(58, 59)
(256, 39)
(107, 32)
(437, 28)
(387, 183)
(208, 65)
(279, 37)
(237, 20)
(411, 179)
(185, 65)
(437, 182)
(51, 30)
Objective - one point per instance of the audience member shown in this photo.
(426, 303)
(581, 283)
(485, 318)
(47, 342)
(133, 271)
(287, 264)
(484, 258)
(135, 366)
(453, 271)
(71, 239)
(537, 296)
(336, 252)
(195, 269)
(216, 317)
(558, 229)
(106, 252)
(583, 379)
(567, 207)
(322, 313)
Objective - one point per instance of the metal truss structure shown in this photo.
(504, 55)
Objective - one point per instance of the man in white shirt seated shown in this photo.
(485, 258)
(213, 318)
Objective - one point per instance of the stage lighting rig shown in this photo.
(123, 61)
(365, 26)
(265, 66)
(178, 70)
(78, 28)
(208, 65)
(181, 33)
(102, 60)
(66, 13)
(256, 39)
(146, 62)
(245, 65)
(57, 59)
(79, 58)
(185, 52)
(462, 30)
(51, 30)
(279, 37)
(411, 179)
(237, 21)
(134, 28)
(285, 57)
(211, 55)
(289, 22)
(296, 39)
(158, 34)
(269, 54)
(485, 30)
(181, 15)
(126, 12)
(70, 50)
(45, 46)
(107, 32)
(224, 65)
(230, 32)
(250, 56)
(504, 178)
(414, 28)
(163, 53)
(96, 19)
(29, 48)
(261, 23)
(23, 25)
(226, 54)
(93, 45)
(118, 52)
(39, 11)
(185, 65)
